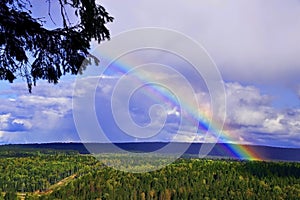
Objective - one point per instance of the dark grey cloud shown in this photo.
(251, 41)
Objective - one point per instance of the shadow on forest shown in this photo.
(264, 169)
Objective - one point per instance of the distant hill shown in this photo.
(218, 151)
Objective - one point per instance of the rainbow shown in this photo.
(196, 117)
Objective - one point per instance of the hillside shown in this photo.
(39, 173)
(219, 150)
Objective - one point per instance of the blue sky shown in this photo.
(255, 45)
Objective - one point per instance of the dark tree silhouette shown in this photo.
(29, 50)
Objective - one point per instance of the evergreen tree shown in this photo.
(10, 195)
(55, 52)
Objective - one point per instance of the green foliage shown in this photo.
(40, 176)
(136, 162)
(10, 196)
(190, 179)
(37, 170)
(55, 51)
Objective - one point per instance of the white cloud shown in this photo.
(4, 118)
(37, 117)
(250, 116)
(22, 122)
(9, 122)
(274, 125)
(252, 119)
(174, 111)
(245, 105)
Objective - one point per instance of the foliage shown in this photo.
(36, 170)
(10, 196)
(55, 52)
(190, 179)
(40, 177)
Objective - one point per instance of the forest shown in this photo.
(27, 173)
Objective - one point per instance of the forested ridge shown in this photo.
(38, 174)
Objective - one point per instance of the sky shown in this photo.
(254, 44)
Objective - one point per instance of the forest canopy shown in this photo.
(30, 50)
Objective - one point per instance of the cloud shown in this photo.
(298, 92)
(4, 121)
(251, 41)
(274, 125)
(44, 116)
(10, 123)
(245, 105)
(251, 117)
(174, 111)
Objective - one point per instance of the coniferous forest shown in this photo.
(63, 174)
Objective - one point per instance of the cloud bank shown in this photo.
(46, 115)
(251, 41)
